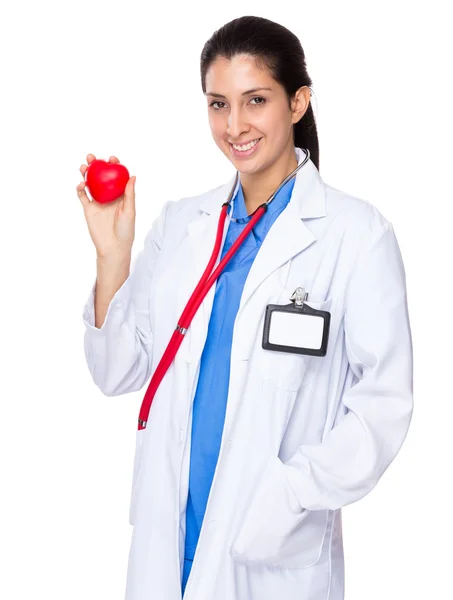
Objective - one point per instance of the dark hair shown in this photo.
(273, 47)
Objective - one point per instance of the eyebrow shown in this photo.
(256, 89)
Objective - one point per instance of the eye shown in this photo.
(216, 102)
(254, 98)
(259, 98)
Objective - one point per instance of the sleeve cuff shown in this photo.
(120, 299)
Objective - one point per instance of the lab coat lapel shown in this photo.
(202, 234)
(289, 235)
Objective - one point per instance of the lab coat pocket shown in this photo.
(139, 440)
(288, 370)
(276, 531)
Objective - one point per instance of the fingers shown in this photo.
(90, 158)
(81, 193)
(129, 196)
(83, 168)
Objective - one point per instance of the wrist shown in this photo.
(114, 258)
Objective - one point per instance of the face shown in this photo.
(240, 113)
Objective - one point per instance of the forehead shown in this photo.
(238, 73)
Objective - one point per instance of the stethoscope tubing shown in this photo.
(201, 290)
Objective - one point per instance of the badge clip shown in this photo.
(299, 296)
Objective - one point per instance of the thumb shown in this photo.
(129, 195)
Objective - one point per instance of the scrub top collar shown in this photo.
(238, 210)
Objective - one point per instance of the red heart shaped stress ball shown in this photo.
(106, 181)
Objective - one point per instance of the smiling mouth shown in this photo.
(241, 146)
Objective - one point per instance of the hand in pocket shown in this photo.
(276, 531)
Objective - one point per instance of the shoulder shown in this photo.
(171, 224)
(190, 206)
(355, 215)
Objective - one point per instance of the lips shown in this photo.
(245, 144)
(245, 153)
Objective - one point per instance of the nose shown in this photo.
(236, 124)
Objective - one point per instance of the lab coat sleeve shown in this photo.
(355, 453)
(119, 353)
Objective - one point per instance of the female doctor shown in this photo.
(252, 444)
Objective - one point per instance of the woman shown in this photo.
(277, 441)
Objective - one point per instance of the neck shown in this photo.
(258, 187)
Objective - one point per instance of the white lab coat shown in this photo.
(303, 435)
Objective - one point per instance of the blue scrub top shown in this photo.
(210, 399)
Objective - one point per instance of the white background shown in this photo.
(123, 78)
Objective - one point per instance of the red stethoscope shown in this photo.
(203, 288)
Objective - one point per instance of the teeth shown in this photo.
(246, 147)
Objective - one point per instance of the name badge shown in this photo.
(296, 327)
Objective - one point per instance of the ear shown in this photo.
(300, 102)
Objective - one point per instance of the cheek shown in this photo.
(272, 122)
(216, 124)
